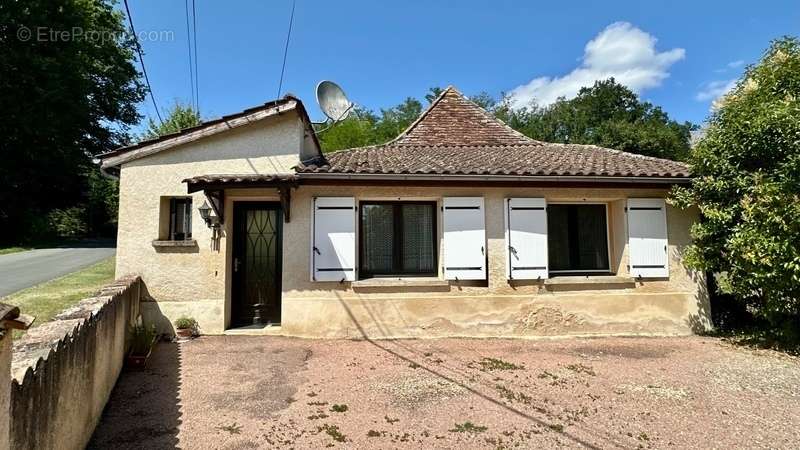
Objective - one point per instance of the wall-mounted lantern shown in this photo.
(205, 213)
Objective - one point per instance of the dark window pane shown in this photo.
(417, 238)
(180, 218)
(558, 237)
(592, 244)
(577, 237)
(378, 236)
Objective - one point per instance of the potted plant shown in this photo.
(142, 342)
(185, 327)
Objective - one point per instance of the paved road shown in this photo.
(24, 269)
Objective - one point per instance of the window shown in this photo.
(577, 238)
(180, 219)
(397, 238)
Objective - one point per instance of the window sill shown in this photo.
(588, 280)
(171, 244)
(400, 282)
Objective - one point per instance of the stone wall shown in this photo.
(5, 383)
(63, 371)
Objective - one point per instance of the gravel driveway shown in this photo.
(238, 392)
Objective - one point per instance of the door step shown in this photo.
(255, 330)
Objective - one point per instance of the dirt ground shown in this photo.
(238, 392)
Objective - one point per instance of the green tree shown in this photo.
(747, 186)
(178, 117)
(607, 114)
(67, 92)
(364, 127)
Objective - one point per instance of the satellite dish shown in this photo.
(332, 100)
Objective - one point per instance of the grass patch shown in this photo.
(339, 408)
(510, 395)
(333, 431)
(468, 427)
(231, 429)
(580, 368)
(7, 250)
(557, 427)
(491, 364)
(50, 298)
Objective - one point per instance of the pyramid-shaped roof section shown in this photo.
(452, 119)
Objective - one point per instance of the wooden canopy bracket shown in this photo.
(217, 198)
(285, 192)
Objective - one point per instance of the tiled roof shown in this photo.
(454, 136)
(210, 127)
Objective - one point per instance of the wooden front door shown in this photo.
(256, 261)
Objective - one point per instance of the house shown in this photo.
(460, 226)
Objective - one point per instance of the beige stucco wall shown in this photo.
(494, 307)
(193, 277)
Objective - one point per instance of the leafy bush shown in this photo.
(142, 339)
(185, 323)
(747, 186)
(68, 223)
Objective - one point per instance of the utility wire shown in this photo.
(141, 60)
(196, 73)
(189, 43)
(286, 48)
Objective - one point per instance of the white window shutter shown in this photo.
(333, 251)
(526, 238)
(464, 238)
(647, 238)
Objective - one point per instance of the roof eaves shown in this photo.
(246, 117)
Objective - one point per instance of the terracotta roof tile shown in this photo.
(454, 136)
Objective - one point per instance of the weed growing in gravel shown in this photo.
(390, 420)
(468, 427)
(339, 408)
(490, 364)
(231, 429)
(556, 427)
(580, 368)
(312, 394)
(546, 374)
(317, 416)
(317, 403)
(333, 431)
(510, 395)
(373, 433)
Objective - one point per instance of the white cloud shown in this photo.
(621, 51)
(714, 90)
(731, 65)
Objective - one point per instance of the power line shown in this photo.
(141, 60)
(286, 48)
(196, 73)
(189, 43)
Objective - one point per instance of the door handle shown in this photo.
(481, 250)
(235, 264)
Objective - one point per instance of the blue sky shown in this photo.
(677, 54)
